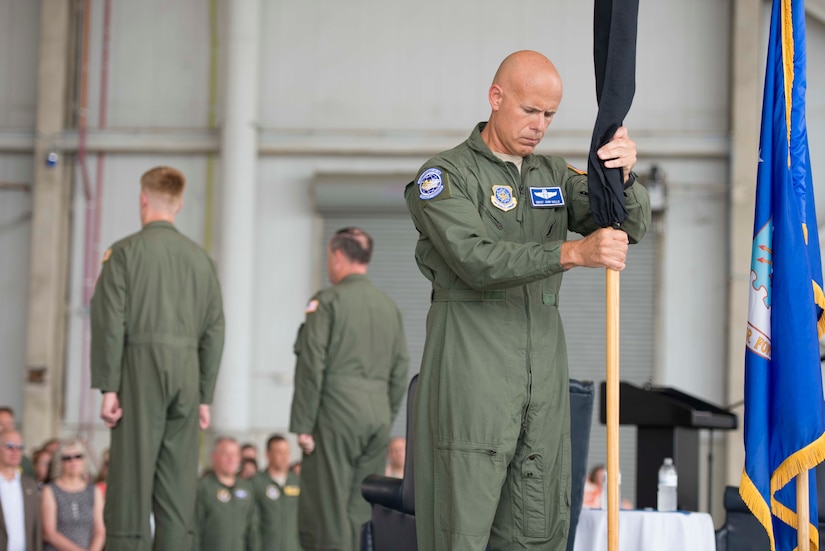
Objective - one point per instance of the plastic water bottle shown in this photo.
(668, 481)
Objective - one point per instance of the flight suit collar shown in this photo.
(354, 277)
(160, 224)
(476, 143)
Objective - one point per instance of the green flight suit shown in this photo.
(278, 511)
(492, 414)
(157, 338)
(227, 519)
(350, 378)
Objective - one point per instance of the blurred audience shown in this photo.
(276, 495)
(71, 506)
(249, 451)
(395, 457)
(248, 468)
(593, 490)
(41, 461)
(226, 517)
(51, 445)
(6, 418)
(7, 422)
(20, 526)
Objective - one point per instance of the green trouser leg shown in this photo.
(153, 456)
(176, 485)
(372, 461)
(331, 508)
(534, 508)
(509, 484)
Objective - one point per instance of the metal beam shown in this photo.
(347, 143)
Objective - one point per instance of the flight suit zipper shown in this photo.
(524, 171)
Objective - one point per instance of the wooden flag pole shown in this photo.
(612, 283)
(803, 512)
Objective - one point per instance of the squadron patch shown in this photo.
(312, 305)
(224, 495)
(546, 197)
(106, 255)
(272, 492)
(503, 198)
(430, 184)
(292, 491)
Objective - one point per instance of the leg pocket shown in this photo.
(468, 481)
(534, 496)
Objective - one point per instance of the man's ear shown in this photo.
(495, 95)
(337, 256)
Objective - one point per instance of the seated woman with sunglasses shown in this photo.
(71, 506)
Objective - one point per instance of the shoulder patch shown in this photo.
(272, 492)
(312, 306)
(433, 183)
(106, 255)
(430, 184)
(577, 170)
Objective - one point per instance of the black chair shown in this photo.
(741, 531)
(582, 397)
(392, 527)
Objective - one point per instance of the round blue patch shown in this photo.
(430, 184)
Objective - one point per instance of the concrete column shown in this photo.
(46, 324)
(239, 156)
(749, 54)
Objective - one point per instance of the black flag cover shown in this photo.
(614, 54)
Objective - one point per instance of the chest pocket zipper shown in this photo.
(494, 219)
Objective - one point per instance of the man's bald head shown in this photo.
(524, 96)
(523, 68)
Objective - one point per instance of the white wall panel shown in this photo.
(682, 74)
(19, 25)
(15, 233)
(159, 64)
(399, 66)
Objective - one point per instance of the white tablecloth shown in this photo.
(647, 531)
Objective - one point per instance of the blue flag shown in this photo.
(784, 410)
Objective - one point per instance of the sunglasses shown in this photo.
(70, 457)
(13, 446)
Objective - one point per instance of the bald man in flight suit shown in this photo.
(492, 412)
